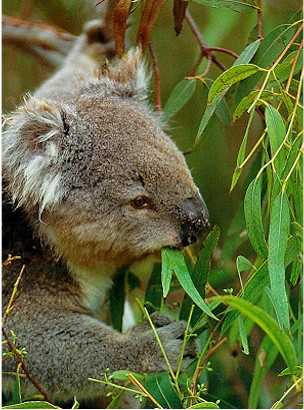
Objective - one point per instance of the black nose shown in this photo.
(195, 220)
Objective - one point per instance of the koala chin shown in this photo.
(91, 183)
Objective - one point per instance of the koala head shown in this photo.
(101, 180)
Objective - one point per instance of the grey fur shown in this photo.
(75, 156)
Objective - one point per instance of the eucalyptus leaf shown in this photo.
(253, 217)
(278, 236)
(229, 77)
(160, 387)
(276, 131)
(279, 338)
(181, 94)
(173, 260)
(235, 5)
(247, 54)
(31, 405)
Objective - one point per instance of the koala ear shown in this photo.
(30, 149)
(129, 74)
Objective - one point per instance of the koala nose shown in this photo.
(195, 220)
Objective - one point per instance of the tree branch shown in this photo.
(44, 40)
(204, 48)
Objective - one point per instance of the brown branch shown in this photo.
(45, 40)
(200, 39)
(25, 369)
(158, 102)
(260, 20)
(200, 369)
(224, 50)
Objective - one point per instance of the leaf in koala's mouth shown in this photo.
(173, 261)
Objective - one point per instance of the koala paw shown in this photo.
(171, 335)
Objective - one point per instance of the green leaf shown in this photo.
(181, 94)
(282, 71)
(243, 336)
(241, 154)
(173, 260)
(154, 293)
(199, 274)
(210, 109)
(31, 405)
(243, 264)
(247, 54)
(204, 405)
(253, 217)
(160, 387)
(265, 358)
(270, 48)
(267, 324)
(278, 236)
(123, 375)
(166, 272)
(117, 298)
(276, 131)
(248, 100)
(255, 284)
(17, 390)
(229, 77)
(235, 5)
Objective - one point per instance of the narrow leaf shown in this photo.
(120, 15)
(175, 261)
(248, 100)
(267, 324)
(265, 358)
(229, 77)
(241, 154)
(256, 283)
(276, 131)
(181, 94)
(243, 264)
(160, 387)
(243, 336)
(166, 273)
(179, 10)
(253, 217)
(199, 274)
(278, 236)
(205, 121)
(235, 5)
(247, 54)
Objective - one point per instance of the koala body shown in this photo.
(98, 185)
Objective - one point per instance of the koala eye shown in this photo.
(141, 202)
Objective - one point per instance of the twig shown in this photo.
(204, 47)
(25, 369)
(260, 20)
(144, 391)
(42, 39)
(158, 102)
(13, 297)
(224, 50)
(13, 348)
(200, 369)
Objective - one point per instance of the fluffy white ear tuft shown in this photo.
(129, 74)
(30, 153)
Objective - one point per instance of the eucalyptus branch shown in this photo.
(204, 48)
(260, 20)
(44, 40)
(158, 102)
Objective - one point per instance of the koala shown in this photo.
(91, 183)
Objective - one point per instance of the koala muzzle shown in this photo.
(195, 220)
